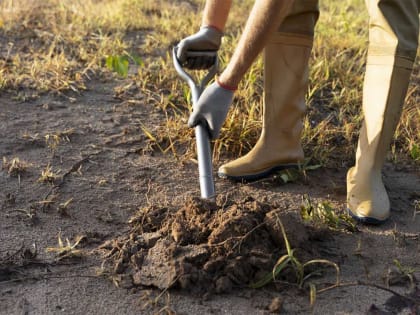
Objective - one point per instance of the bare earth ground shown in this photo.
(111, 175)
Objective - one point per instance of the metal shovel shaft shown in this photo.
(205, 168)
(204, 154)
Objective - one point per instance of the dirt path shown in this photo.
(107, 172)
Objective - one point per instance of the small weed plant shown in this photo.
(323, 214)
(290, 260)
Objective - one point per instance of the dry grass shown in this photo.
(57, 46)
(48, 175)
(15, 166)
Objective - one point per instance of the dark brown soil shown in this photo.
(204, 247)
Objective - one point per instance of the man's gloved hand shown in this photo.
(212, 108)
(207, 39)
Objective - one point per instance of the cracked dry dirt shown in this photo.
(134, 205)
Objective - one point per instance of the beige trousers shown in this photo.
(393, 41)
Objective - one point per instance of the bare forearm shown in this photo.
(216, 13)
(265, 18)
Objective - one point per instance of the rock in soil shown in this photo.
(276, 306)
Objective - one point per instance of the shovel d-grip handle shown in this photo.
(204, 154)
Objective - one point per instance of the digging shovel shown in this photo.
(204, 154)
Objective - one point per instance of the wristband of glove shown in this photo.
(212, 27)
(225, 86)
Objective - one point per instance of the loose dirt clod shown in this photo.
(203, 246)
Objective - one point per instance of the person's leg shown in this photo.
(393, 40)
(285, 85)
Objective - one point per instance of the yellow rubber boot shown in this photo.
(285, 83)
(393, 42)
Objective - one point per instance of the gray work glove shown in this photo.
(211, 109)
(207, 39)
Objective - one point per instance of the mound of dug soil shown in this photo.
(209, 247)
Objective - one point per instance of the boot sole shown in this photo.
(260, 175)
(366, 220)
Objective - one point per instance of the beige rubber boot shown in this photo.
(285, 84)
(367, 199)
(393, 42)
